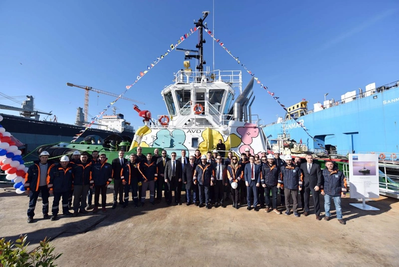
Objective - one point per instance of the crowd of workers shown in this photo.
(262, 181)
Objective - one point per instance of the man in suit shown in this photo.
(117, 166)
(220, 182)
(191, 189)
(173, 178)
(160, 183)
(312, 181)
(252, 182)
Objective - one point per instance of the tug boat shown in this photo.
(202, 109)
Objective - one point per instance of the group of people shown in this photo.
(257, 181)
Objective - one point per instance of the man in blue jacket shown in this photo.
(290, 176)
(252, 174)
(102, 177)
(334, 187)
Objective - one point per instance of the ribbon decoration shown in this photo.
(141, 75)
(276, 98)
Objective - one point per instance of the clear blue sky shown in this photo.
(299, 49)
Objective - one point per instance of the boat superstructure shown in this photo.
(204, 107)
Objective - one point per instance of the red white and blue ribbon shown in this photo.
(11, 160)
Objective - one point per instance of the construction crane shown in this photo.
(88, 89)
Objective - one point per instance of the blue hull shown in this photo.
(369, 124)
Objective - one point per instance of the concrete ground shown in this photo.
(191, 236)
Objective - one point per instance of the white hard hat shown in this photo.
(76, 153)
(64, 158)
(288, 157)
(270, 156)
(203, 157)
(247, 149)
(215, 151)
(234, 185)
(44, 153)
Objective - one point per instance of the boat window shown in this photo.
(228, 103)
(170, 104)
(200, 98)
(183, 97)
(216, 97)
(194, 142)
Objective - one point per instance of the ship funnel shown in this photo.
(239, 108)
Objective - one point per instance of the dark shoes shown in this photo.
(249, 208)
(256, 208)
(287, 212)
(318, 217)
(341, 221)
(327, 218)
(296, 214)
(30, 220)
(306, 213)
(67, 213)
(54, 218)
(75, 213)
(208, 206)
(114, 206)
(46, 216)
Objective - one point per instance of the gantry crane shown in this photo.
(88, 89)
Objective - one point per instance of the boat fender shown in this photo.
(198, 109)
(381, 156)
(164, 120)
(393, 156)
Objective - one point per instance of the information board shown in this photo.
(363, 176)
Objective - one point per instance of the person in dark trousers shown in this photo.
(301, 200)
(291, 181)
(334, 186)
(173, 178)
(221, 148)
(95, 161)
(188, 174)
(241, 185)
(36, 183)
(203, 175)
(280, 192)
(261, 190)
(130, 177)
(59, 179)
(252, 175)
(160, 183)
(149, 173)
(312, 181)
(235, 174)
(117, 166)
(82, 180)
(102, 177)
(270, 177)
(220, 182)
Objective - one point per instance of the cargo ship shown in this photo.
(33, 132)
(360, 122)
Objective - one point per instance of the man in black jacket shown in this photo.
(173, 178)
(191, 189)
(117, 166)
(312, 181)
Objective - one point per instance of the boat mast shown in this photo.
(200, 26)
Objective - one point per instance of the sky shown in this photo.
(298, 49)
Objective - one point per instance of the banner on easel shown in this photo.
(363, 173)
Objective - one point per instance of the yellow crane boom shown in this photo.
(89, 88)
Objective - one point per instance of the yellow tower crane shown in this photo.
(89, 88)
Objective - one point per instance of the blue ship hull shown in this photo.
(365, 125)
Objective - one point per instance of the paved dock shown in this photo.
(191, 236)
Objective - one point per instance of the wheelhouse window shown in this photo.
(216, 97)
(228, 103)
(170, 104)
(183, 97)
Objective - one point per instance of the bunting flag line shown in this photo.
(258, 81)
(138, 77)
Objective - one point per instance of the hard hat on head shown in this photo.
(64, 158)
(44, 153)
(288, 157)
(76, 153)
(215, 151)
(203, 157)
(270, 156)
(247, 149)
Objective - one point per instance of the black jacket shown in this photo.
(314, 177)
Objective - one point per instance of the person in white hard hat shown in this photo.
(270, 173)
(36, 183)
(59, 179)
(75, 157)
(292, 182)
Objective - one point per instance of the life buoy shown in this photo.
(381, 156)
(164, 120)
(393, 156)
(198, 109)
